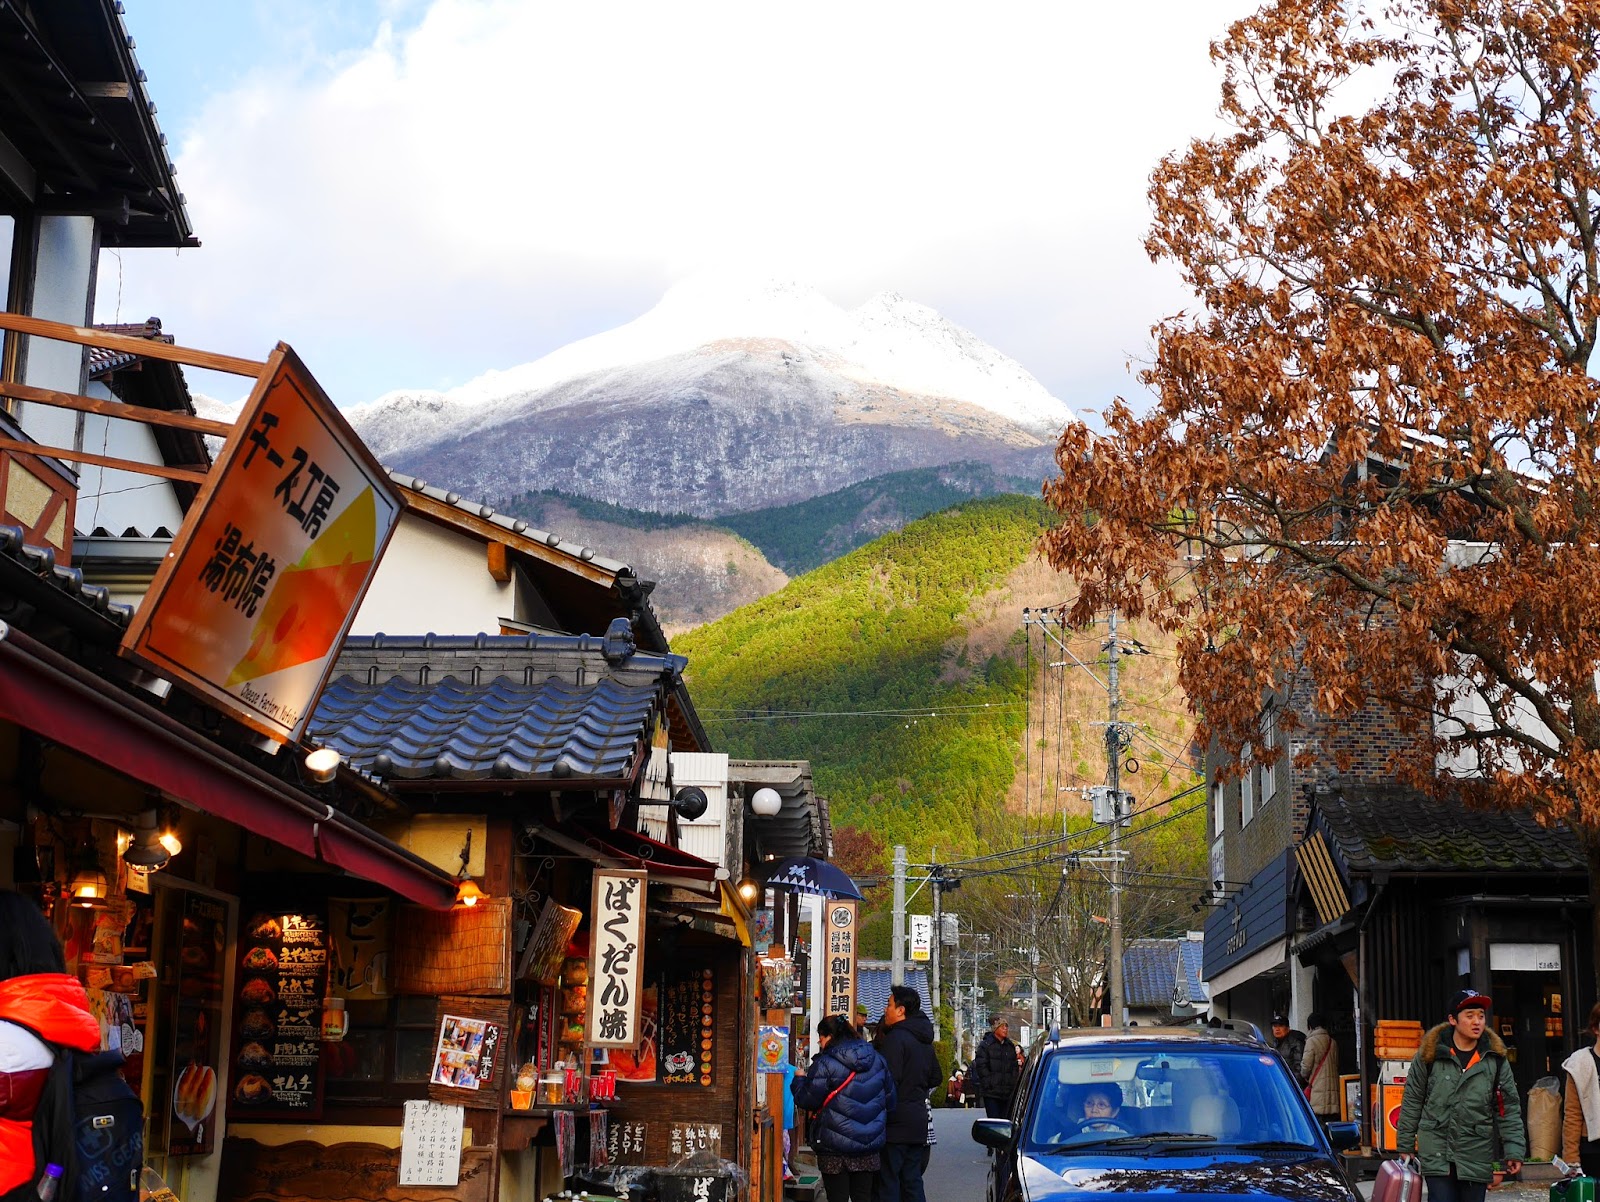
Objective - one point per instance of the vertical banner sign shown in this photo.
(616, 954)
(251, 603)
(839, 977)
(922, 937)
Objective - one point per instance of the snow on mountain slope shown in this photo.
(888, 341)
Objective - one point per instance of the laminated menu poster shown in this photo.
(471, 1054)
(282, 979)
(197, 1026)
(686, 1025)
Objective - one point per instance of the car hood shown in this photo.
(1303, 1179)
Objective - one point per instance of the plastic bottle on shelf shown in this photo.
(50, 1184)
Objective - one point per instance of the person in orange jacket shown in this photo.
(35, 991)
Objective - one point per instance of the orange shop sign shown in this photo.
(263, 580)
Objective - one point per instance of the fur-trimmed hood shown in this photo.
(1490, 1043)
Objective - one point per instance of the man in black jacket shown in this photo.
(996, 1067)
(905, 1040)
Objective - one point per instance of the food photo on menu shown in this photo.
(457, 1061)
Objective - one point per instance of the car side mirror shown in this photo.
(1344, 1135)
(992, 1133)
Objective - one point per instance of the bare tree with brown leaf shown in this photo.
(1377, 440)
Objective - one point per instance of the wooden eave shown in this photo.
(74, 108)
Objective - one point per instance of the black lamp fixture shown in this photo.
(146, 852)
(690, 802)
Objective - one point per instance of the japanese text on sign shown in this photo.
(625, 1142)
(839, 965)
(685, 1139)
(273, 558)
(430, 1144)
(616, 958)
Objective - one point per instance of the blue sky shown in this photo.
(414, 192)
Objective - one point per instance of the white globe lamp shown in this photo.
(766, 803)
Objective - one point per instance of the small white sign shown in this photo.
(922, 937)
(430, 1144)
(1524, 957)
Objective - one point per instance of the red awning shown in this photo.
(660, 856)
(629, 849)
(65, 703)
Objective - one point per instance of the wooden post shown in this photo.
(772, 1162)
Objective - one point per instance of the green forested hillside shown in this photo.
(802, 536)
(874, 631)
(900, 671)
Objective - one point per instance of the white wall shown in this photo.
(63, 290)
(433, 580)
(114, 499)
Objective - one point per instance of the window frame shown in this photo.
(1247, 791)
(1269, 740)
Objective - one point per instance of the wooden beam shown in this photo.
(22, 324)
(114, 90)
(117, 409)
(499, 568)
(193, 474)
(419, 502)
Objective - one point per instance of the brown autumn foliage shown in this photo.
(1394, 245)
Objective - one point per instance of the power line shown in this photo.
(1067, 838)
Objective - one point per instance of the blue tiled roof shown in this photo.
(523, 707)
(1193, 953)
(1150, 970)
(872, 988)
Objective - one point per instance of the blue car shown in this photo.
(1179, 1112)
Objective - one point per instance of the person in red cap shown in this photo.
(1461, 1099)
(37, 993)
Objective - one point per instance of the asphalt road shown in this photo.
(958, 1171)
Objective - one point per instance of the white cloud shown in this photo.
(472, 190)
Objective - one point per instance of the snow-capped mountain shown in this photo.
(727, 396)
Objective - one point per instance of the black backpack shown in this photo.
(90, 1123)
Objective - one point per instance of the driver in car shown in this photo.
(1100, 1107)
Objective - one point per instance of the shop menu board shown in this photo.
(283, 976)
(197, 1043)
(686, 1025)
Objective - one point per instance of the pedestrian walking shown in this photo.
(1319, 1068)
(1288, 1043)
(850, 1091)
(905, 1039)
(1580, 1123)
(1460, 1101)
(996, 1066)
(36, 992)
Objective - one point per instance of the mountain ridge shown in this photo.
(725, 399)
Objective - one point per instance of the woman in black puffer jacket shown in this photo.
(852, 1095)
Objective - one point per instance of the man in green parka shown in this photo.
(1460, 1110)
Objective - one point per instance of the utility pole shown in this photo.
(938, 938)
(958, 1019)
(897, 961)
(1114, 758)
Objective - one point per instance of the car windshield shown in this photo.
(1099, 1096)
